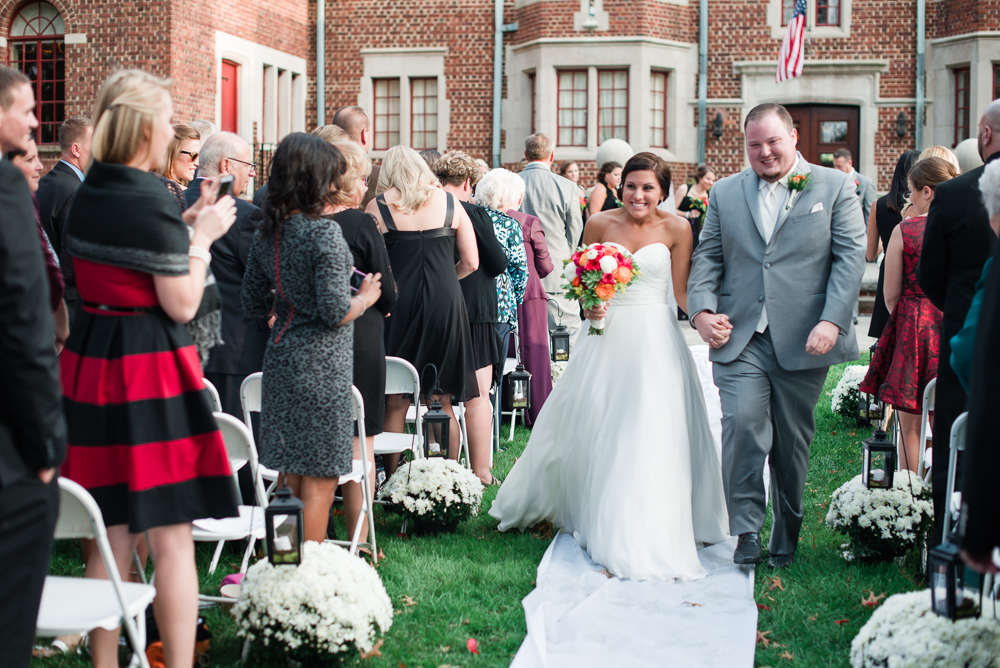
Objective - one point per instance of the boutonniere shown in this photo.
(857, 187)
(797, 183)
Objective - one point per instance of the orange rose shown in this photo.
(610, 250)
(622, 274)
(604, 292)
(576, 282)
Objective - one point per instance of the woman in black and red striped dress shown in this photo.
(142, 438)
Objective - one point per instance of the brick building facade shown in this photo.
(580, 70)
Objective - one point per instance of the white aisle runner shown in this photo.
(577, 616)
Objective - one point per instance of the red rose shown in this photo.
(607, 279)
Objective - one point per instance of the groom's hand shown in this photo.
(822, 338)
(714, 328)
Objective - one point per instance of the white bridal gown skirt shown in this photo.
(621, 455)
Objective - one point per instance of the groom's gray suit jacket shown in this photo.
(810, 270)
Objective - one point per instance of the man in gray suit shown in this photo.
(556, 202)
(864, 186)
(772, 285)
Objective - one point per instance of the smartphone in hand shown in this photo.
(357, 277)
(225, 186)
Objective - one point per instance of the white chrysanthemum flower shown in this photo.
(331, 603)
(591, 254)
(570, 273)
(904, 633)
(435, 488)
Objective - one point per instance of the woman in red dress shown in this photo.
(142, 439)
(906, 358)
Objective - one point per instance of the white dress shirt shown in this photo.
(772, 197)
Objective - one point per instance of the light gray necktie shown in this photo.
(768, 219)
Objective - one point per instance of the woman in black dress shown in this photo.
(423, 226)
(604, 197)
(368, 250)
(300, 266)
(704, 179)
(885, 215)
(458, 175)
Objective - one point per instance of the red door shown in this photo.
(824, 128)
(230, 116)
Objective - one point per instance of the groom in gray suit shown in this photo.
(772, 286)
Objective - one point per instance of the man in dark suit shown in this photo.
(355, 122)
(980, 523)
(32, 430)
(957, 242)
(57, 188)
(242, 352)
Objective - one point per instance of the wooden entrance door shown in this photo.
(230, 97)
(824, 128)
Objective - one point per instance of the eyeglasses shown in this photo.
(253, 168)
(193, 156)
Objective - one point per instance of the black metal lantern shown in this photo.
(283, 527)
(956, 589)
(870, 409)
(560, 344)
(878, 461)
(437, 429)
(519, 388)
(717, 126)
(901, 125)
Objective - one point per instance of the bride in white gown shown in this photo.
(621, 455)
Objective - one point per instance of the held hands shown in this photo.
(371, 289)
(596, 313)
(714, 328)
(822, 338)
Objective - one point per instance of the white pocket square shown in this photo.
(818, 206)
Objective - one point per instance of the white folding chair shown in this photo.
(953, 498)
(359, 473)
(216, 399)
(75, 605)
(250, 400)
(250, 524)
(927, 454)
(402, 378)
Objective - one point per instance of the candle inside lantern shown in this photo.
(282, 543)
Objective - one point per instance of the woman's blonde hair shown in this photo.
(404, 170)
(126, 114)
(931, 171)
(182, 133)
(455, 168)
(944, 153)
(358, 164)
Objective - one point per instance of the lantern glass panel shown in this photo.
(560, 344)
(519, 392)
(283, 526)
(939, 588)
(286, 541)
(437, 432)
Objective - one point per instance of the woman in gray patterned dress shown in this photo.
(300, 267)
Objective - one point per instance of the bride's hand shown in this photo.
(596, 313)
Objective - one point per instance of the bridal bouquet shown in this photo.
(904, 632)
(595, 273)
(333, 604)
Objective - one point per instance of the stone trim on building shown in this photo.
(979, 51)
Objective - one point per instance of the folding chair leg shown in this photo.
(465, 441)
(137, 562)
(513, 421)
(496, 420)
(246, 554)
(215, 557)
(357, 530)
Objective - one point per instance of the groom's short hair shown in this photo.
(762, 110)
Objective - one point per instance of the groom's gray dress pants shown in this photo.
(766, 410)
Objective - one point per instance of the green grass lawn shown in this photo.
(470, 584)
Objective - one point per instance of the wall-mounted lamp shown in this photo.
(901, 124)
(591, 22)
(717, 125)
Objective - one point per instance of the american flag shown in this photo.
(792, 52)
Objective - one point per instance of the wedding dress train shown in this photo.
(621, 455)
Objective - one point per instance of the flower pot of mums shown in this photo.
(328, 609)
(905, 633)
(882, 524)
(437, 493)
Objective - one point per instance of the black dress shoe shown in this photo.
(780, 560)
(748, 549)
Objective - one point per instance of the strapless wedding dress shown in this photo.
(621, 455)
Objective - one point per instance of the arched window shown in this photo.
(37, 49)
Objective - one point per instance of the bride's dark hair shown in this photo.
(646, 161)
